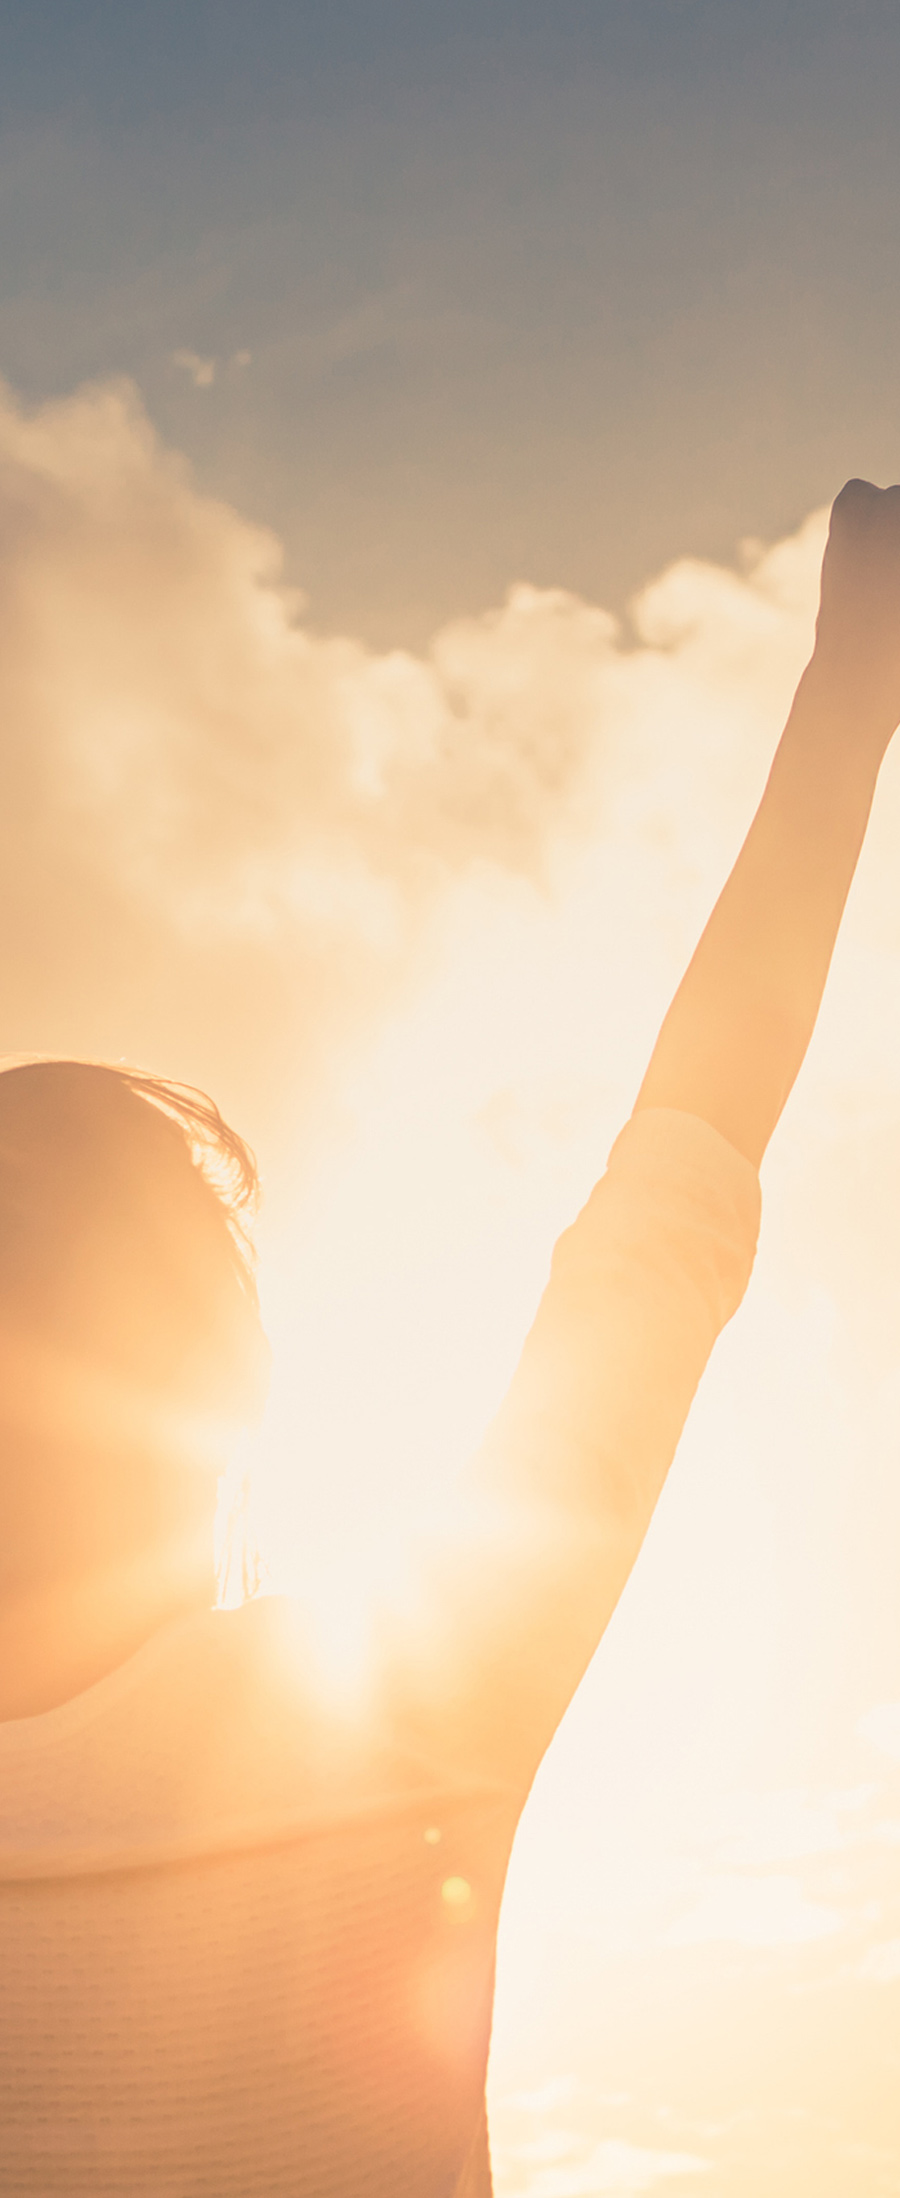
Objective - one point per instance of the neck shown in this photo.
(58, 1639)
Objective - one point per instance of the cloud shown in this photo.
(219, 760)
(199, 795)
(614, 2166)
(203, 799)
(557, 2091)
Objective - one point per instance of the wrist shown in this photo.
(845, 712)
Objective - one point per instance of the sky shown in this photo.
(467, 295)
(416, 441)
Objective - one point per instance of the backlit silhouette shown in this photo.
(248, 1936)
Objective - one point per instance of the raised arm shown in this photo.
(553, 1511)
(742, 1018)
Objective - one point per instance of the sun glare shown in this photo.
(397, 636)
(665, 1843)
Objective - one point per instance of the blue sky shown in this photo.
(528, 293)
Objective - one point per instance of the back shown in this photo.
(247, 1942)
(300, 2005)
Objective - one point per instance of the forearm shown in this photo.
(740, 1023)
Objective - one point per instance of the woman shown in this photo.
(247, 1942)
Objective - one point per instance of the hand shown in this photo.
(856, 662)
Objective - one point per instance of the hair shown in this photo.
(125, 1204)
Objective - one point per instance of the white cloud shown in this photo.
(552, 2146)
(200, 794)
(557, 2091)
(614, 2167)
(202, 799)
(236, 769)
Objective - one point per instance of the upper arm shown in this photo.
(536, 1544)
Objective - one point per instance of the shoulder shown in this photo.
(213, 1736)
(207, 1731)
(676, 1200)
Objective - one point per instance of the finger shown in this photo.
(891, 506)
(865, 523)
(855, 506)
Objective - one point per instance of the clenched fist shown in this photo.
(856, 663)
